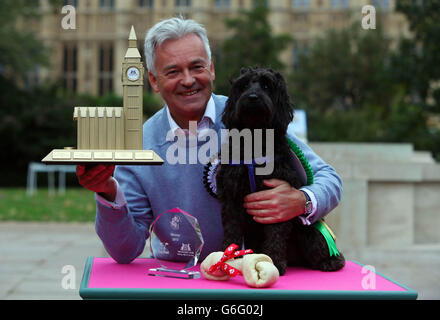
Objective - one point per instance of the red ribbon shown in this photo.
(229, 253)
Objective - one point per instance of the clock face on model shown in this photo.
(133, 73)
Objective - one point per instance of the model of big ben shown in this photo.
(112, 134)
(132, 84)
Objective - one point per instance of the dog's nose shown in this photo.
(253, 96)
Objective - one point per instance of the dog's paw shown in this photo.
(281, 266)
(333, 263)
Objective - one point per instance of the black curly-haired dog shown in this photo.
(259, 100)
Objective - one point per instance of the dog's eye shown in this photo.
(265, 85)
(241, 84)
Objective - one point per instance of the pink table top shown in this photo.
(106, 273)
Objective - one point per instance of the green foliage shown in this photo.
(355, 88)
(252, 43)
(416, 67)
(109, 100)
(405, 122)
(20, 50)
(77, 204)
(151, 102)
(423, 50)
(32, 123)
(342, 71)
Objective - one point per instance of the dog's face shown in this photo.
(258, 100)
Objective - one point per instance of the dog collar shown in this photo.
(251, 170)
(298, 159)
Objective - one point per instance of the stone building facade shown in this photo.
(87, 59)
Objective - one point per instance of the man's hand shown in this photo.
(281, 203)
(98, 179)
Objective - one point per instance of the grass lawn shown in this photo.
(77, 204)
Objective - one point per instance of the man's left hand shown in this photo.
(280, 203)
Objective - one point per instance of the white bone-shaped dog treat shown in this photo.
(219, 274)
(259, 271)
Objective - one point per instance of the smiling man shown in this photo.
(180, 68)
(183, 75)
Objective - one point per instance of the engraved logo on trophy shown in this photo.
(175, 223)
(175, 243)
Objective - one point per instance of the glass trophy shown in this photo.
(175, 243)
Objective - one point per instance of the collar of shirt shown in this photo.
(205, 123)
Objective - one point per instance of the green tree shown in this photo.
(151, 102)
(252, 43)
(416, 66)
(344, 70)
(420, 55)
(355, 88)
(20, 50)
(32, 122)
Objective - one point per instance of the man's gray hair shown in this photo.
(174, 28)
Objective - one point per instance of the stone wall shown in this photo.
(391, 195)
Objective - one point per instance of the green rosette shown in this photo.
(300, 155)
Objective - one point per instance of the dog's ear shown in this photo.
(243, 70)
(284, 110)
(232, 80)
(228, 112)
(229, 116)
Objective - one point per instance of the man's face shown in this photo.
(184, 78)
